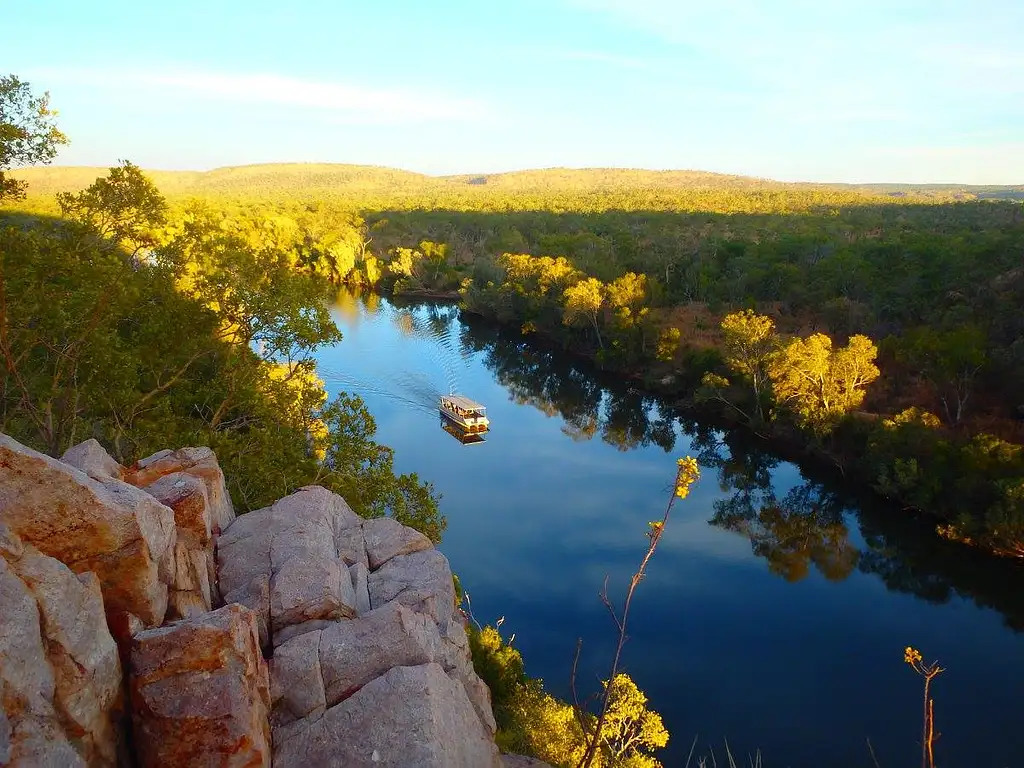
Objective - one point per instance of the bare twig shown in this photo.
(692, 747)
(873, 758)
(469, 610)
(929, 672)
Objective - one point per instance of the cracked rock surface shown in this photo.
(370, 662)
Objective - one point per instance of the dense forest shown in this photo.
(876, 328)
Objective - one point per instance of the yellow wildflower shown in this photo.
(687, 474)
(911, 655)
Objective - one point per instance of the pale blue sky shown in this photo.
(850, 90)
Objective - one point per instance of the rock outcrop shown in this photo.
(359, 613)
(105, 568)
(60, 676)
(200, 692)
(123, 535)
(409, 716)
(191, 483)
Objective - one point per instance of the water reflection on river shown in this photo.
(776, 609)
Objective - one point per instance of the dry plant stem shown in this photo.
(925, 747)
(872, 751)
(928, 735)
(620, 623)
(931, 733)
(928, 724)
(577, 710)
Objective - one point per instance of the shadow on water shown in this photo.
(809, 526)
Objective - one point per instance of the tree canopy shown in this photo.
(28, 133)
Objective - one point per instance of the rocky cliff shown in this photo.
(142, 623)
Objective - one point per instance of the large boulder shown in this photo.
(200, 692)
(122, 534)
(93, 459)
(387, 538)
(421, 580)
(200, 463)
(410, 715)
(192, 584)
(291, 550)
(60, 676)
(191, 483)
(321, 668)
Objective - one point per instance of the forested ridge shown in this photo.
(334, 180)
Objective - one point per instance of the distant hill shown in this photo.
(286, 179)
(312, 180)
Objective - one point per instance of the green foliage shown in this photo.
(873, 260)
(123, 208)
(668, 344)
(532, 722)
(948, 360)
(584, 301)
(630, 729)
(750, 342)
(208, 340)
(28, 135)
(820, 383)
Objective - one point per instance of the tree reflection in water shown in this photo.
(544, 378)
(810, 524)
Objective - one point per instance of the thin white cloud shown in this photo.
(883, 42)
(901, 66)
(340, 102)
(600, 57)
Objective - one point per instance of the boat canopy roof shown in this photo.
(463, 402)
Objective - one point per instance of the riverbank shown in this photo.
(851, 453)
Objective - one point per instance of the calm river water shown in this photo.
(776, 610)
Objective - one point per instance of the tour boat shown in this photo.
(464, 413)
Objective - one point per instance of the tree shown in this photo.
(630, 728)
(584, 300)
(668, 344)
(652, 732)
(403, 262)
(629, 291)
(122, 208)
(28, 135)
(948, 360)
(530, 721)
(362, 470)
(820, 383)
(750, 342)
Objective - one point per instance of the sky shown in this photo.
(814, 90)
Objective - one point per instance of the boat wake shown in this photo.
(414, 390)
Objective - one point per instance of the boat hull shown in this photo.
(471, 424)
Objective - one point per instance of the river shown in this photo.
(775, 612)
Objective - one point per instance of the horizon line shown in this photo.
(537, 169)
